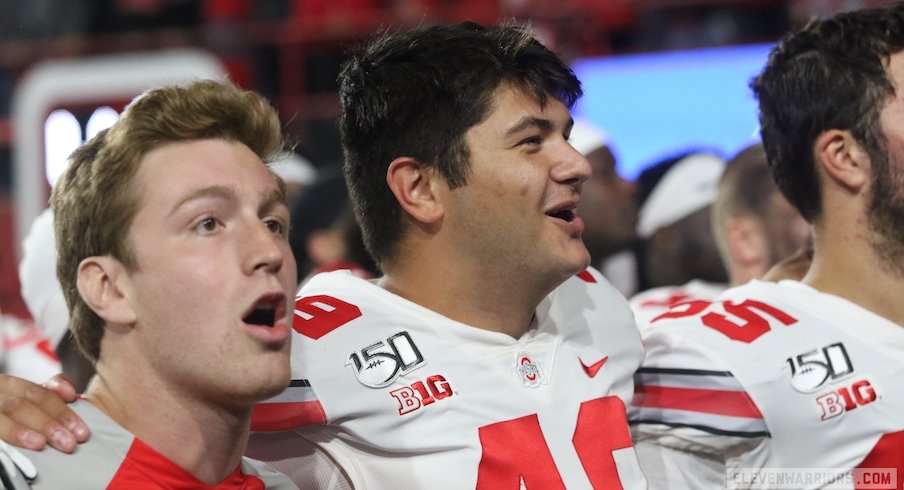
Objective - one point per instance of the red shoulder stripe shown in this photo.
(268, 417)
(719, 402)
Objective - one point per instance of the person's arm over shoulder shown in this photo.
(691, 419)
(32, 415)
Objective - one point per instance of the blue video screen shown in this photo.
(654, 105)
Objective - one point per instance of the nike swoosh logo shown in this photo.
(592, 369)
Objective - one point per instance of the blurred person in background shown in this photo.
(40, 289)
(608, 205)
(324, 234)
(25, 351)
(679, 252)
(794, 267)
(753, 226)
(341, 247)
(296, 171)
(608, 208)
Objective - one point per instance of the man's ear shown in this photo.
(100, 283)
(843, 159)
(745, 241)
(414, 187)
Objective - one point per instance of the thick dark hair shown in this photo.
(417, 93)
(829, 75)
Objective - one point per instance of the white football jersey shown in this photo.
(770, 376)
(402, 397)
(650, 303)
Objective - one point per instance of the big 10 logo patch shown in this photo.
(812, 370)
(846, 398)
(422, 393)
(381, 362)
(830, 365)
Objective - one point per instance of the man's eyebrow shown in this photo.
(274, 198)
(528, 122)
(215, 191)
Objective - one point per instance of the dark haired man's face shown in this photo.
(886, 206)
(517, 212)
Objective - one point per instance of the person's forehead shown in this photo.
(507, 94)
(510, 103)
(170, 169)
(893, 107)
(895, 69)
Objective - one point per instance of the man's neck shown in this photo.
(851, 269)
(206, 441)
(497, 304)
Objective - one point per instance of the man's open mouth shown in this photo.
(566, 214)
(265, 310)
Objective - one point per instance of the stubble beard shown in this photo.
(885, 218)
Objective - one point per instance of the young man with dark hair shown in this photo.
(487, 326)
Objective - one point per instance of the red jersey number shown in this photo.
(516, 449)
(745, 321)
(316, 316)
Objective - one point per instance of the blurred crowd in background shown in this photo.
(289, 50)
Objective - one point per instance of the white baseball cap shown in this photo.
(585, 137)
(293, 168)
(690, 185)
(40, 287)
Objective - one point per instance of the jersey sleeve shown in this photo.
(690, 417)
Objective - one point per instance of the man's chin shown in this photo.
(580, 264)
